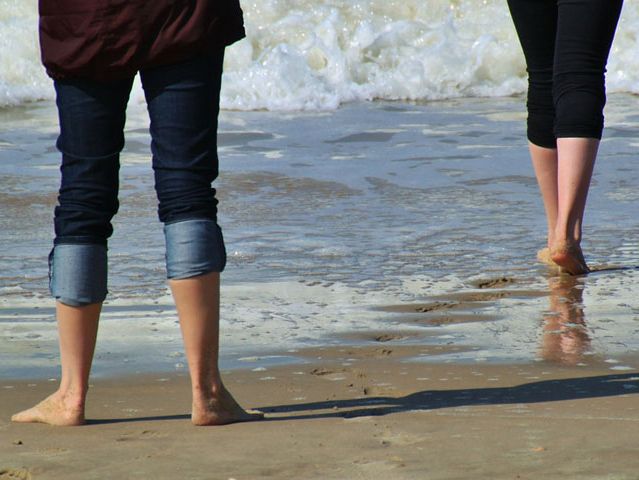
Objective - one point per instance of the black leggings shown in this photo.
(566, 45)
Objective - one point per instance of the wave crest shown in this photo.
(317, 54)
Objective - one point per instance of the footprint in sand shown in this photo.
(383, 352)
(420, 307)
(371, 353)
(433, 307)
(388, 337)
(320, 372)
(14, 474)
(379, 390)
(495, 282)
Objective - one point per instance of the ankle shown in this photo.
(72, 399)
(566, 236)
(562, 241)
(206, 381)
(208, 389)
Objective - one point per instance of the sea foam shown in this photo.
(318, 54)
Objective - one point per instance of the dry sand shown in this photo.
(347, 413)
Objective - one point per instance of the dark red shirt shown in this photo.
(113, 39)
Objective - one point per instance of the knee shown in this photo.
(185, 196)
(88, 221)
(88, 198)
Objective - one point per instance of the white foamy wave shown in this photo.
(22, 77)
(317, 54)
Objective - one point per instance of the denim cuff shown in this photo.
(193, 247)
(78, 273)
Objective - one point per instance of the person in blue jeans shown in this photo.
(566, 44)
(178, 50)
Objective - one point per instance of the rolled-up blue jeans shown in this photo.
(183, 105)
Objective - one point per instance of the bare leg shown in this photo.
(198, 305)
(576, 163)
(545, 163)
(77, 330)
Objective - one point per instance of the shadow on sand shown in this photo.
(535, 392)
(156, 418)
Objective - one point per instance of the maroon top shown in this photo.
(113, 39)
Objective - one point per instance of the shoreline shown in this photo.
(440, 329)
(388, 215)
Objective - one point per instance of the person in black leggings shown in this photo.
(566, 45)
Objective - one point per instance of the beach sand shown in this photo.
(346, 413)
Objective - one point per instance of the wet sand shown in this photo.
(348, 413)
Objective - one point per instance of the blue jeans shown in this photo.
(183, 105)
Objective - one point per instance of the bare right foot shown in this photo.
(53, 410)
(220, 408)
(570, 258)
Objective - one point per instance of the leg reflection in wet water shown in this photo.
(565, 334)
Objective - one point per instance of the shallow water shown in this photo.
(330, 216)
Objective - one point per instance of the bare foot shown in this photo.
(220, 409)
(570, 258)
(543, 256)
(53, 410)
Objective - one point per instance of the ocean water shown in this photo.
(376, 217)
(383, 216)
(319, 54)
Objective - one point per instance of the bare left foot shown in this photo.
(570, 258)
(53, 410)
(220, 408)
